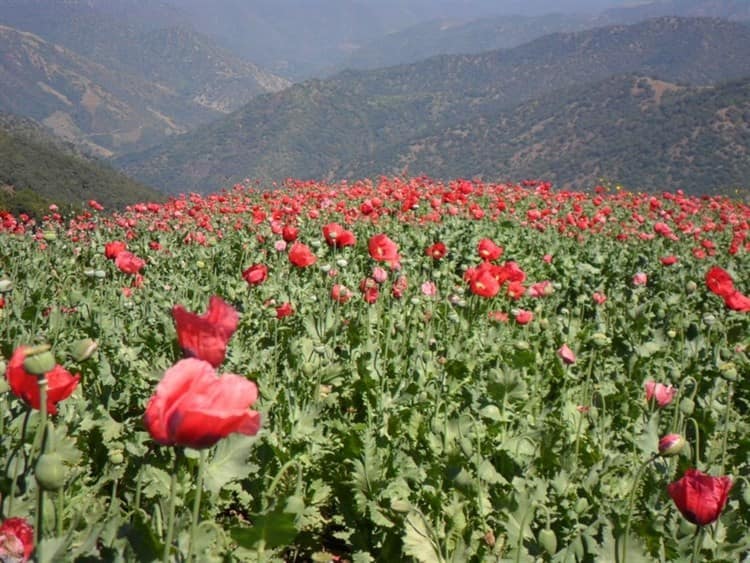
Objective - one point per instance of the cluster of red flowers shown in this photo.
(721, 283)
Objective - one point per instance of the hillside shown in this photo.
(317, 128)
(37, 169)
(460, 36)
(637, 131)
(113, 87)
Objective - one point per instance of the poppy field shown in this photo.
(395, 369)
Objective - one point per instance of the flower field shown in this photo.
(388, 370)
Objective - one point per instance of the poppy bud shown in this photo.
(50, 472)
(687, 406)
(6, 286)
(547, 540)
(39, 363)
(671, 444)
(600, 339)
(728, 370)
(691, 287)
(49, 235)
(83, 349)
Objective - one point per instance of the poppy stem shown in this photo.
(38, 440)
(631, 499)
(726, 427)
(196, 503)
(172, 498)
(14, 477)
(697, 544)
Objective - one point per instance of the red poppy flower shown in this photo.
(340, 293)
(284, 310)
(337, 236)
(206, 336)
(25, 386)
(488, 250)
(256, 274)
(369, 289)
(664, 394)
(128, 262)
(112, 249)
(669, 260)
(737, 302)
(566, 354)
(523, 317)
(301, 256)
(16, 540)
(383, 249)
(719, 282)
(289, 233)
(399, 287)
(437, 251)
(484, 284)
(194, 407)
(700, 497)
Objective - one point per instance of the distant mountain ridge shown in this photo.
(318, 128)
(645, 133)
(113, 87)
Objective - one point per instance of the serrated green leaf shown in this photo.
(230, 462)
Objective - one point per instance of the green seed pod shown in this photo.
(50, 472)
(728, 370)
(100, 274)
(116, 457)
(547, 540)
(521, 345)
(49, 235)
(40, 363)
(691, 287)
(308, 369)
(83, 349)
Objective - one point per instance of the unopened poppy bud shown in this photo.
(728, 370)
(101, 274)
(600, 339)
(83, 349)
(39, 362)
(687, 406)
(6, 286)
(49, 235)
(709, 319)
(671, 444)
(548, 540)
(691, 287)
(50, 472)
(116, 457)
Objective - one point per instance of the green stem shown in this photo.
(697, 439)
(697, 543)
(172, 499)
(631, 499)
(14, 477)
(196, 503)
(40, 432)
(726, 427)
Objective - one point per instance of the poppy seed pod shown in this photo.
(83, 349)
(6, 286)
(39, 363)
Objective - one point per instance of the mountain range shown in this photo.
(322, 128)
(111, 87)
